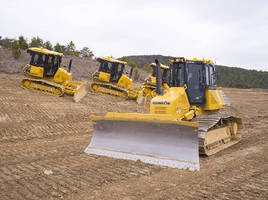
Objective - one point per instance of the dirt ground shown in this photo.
(42, 139)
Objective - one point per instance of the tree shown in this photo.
(136, 73)
(148, 68)
(86, 53)
(70, 49)
(132, 63)
(59, 48)
(123, 59)
(15, 47)
(36, 42)
(6, 43)
(22, 43)
(48, 45)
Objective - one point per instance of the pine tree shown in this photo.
(59, 48)
(70, 49)
(136, 73)
(36, 42)
(22, 43)
(86, 53)
(16, 49)
(48, 45)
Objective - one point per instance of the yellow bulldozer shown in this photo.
(110, 78)
(44, 74)
(185, 120)
(148, 90)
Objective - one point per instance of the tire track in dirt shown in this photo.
(39, 132)
(75, 173)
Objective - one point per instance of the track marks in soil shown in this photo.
(39, 132)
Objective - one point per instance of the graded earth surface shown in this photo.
(43, 138)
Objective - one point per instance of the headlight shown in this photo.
(149, 80)
(96, 75)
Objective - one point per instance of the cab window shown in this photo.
(38, 59)
(178, 75)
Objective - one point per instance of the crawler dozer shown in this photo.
(44, 74)
(110, 78)
(185, 120)
(148, 90)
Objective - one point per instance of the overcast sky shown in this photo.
(230, 32)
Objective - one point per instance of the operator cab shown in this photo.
(115, 69)
(197, 75)
(49, 60)
(164, 70)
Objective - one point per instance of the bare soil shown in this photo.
(42, 139)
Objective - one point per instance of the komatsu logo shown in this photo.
(161, 102)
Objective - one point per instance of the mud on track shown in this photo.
(39, 132)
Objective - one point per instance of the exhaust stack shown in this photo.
(158, 77)
(70, 65)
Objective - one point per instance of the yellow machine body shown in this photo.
(49, 77)
(185, 120)
(103, 77)
(147, 91)
(110, 79)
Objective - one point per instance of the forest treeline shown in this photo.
(232, 77)
(22, 43)
(235, 77)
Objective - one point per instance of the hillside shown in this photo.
(81, 67)
(233, 77)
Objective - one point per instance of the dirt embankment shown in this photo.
(81, 67)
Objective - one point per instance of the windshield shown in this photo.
(105, 67)
(177, 74)
(38, 59)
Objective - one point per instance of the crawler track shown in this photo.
(111, 89)
(43, 86)
(214, 122)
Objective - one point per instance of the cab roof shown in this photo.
(162, 66)
(45, 51)
(109, 59)
(182, 59)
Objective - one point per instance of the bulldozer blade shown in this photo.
(80, 93)
(163, 144)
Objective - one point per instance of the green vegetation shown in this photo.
(15, 47)
(59, 48)
(36, 42)
(233, 77)
(70, 49)
(86, 53)
(131, 62)
(148, 68)
(21, 44)
(48, 45)
(6, 42)
(136, 73)
(143, 60)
